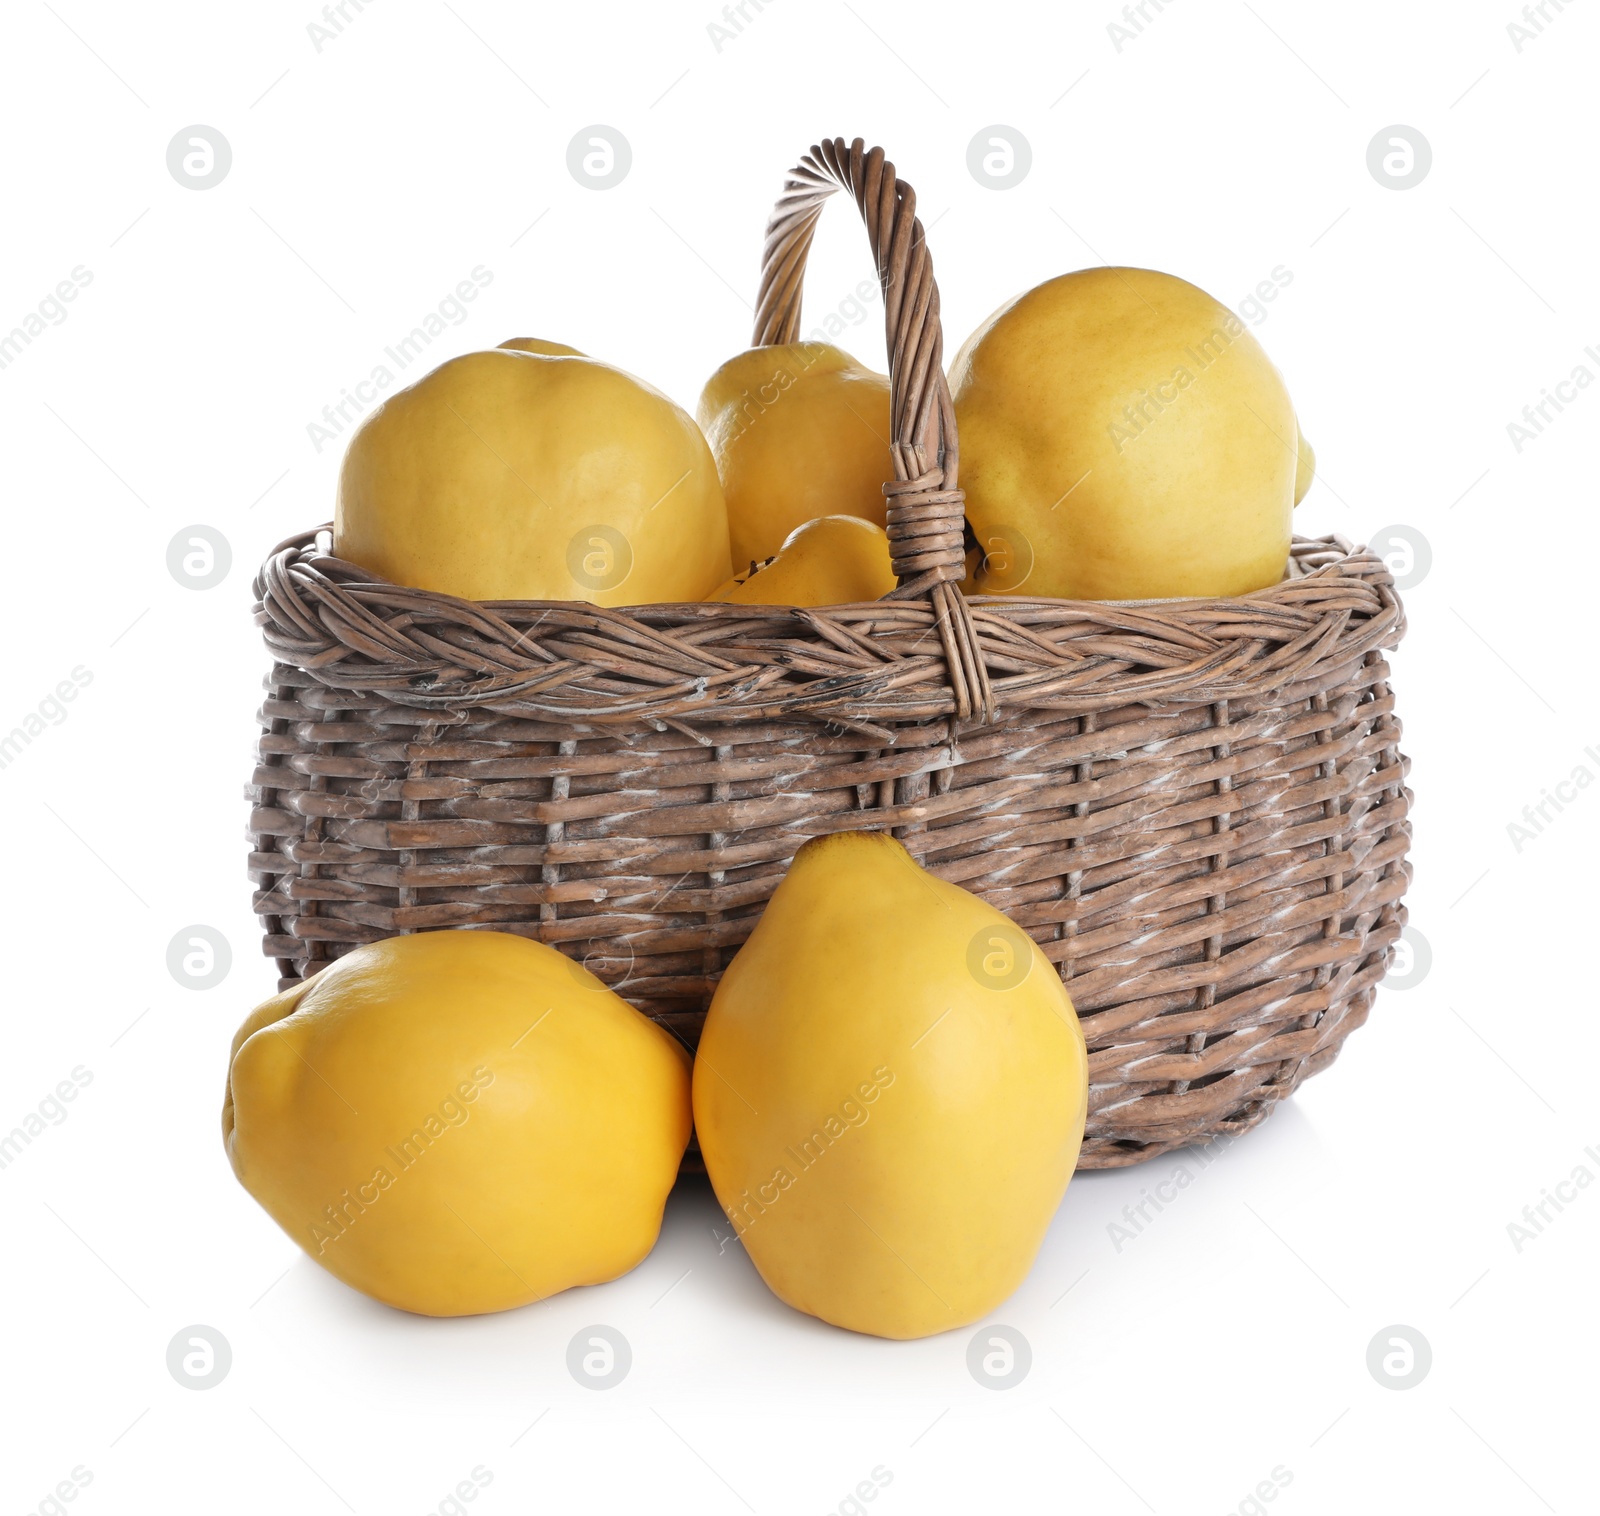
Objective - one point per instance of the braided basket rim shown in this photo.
(354, 631)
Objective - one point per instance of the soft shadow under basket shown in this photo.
(1196, 808)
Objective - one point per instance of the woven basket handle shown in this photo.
(925, 515)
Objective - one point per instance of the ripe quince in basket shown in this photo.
(837, 560)
(458, 1121)
(798, 431)
(1124, 436)
(531, 472)
(890, 1093)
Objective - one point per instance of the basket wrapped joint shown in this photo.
(1196, 808)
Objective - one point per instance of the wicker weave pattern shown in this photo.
(1196, 808)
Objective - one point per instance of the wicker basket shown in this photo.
(1197, 808)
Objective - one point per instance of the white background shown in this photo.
(1229, 1338)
